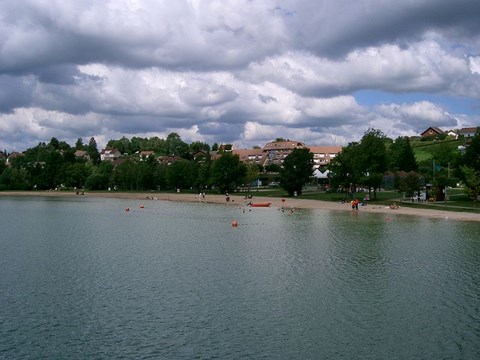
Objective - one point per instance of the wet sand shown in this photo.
(238, 200)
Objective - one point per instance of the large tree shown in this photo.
(92, 151)
(181, 174)
(346, 169)
(228, 172)
(176, 146)
(297, 171)
(401, 156)
(373, 159)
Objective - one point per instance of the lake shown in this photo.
(81, 277)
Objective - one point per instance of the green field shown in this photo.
(424, 150)
(457, 200)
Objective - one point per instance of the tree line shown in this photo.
(361, 164)
(53, 165)
(365, 163)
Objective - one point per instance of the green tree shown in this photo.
(273, 168)
(373, 160)
(297, 170)
(197, 146)
(76, 174)
(2, 166)
(92, 151)
(52, 170)
(79, 144)
(471, 158)
(228, 172)
(472, 183)
(160, 176)
(123, 145)
(125, 175)
(101, 177)
(203, 174)
(401, 155)
(156, 144)
(175, 146)
(409, 184)
(146, 173)
(136, 144)
(181, 174)
(346, 168)
(14, 179)
(54, 144)
(251, 174)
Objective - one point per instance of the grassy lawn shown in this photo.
(457, 200)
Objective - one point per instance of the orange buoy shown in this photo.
(234, 223)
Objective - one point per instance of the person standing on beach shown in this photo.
(354, 203)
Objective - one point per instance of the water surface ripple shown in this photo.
(83, 278)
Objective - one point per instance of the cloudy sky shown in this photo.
(236, 71)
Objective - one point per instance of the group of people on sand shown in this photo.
(200, 197)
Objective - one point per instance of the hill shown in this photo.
(424, 150)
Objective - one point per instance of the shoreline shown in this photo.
(239, 200)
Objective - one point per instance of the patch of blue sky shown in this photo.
(454, 105)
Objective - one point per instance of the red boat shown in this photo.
(267, 204)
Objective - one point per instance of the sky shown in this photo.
(240, 72)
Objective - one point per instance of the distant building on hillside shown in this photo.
(109, 154)
(82, 154)
(277, 151)
(431, 132)
(322, 155)
(468, 132)
(13, 155)
(226, 148)
(168, 159)
(146, 153)
(252, 156)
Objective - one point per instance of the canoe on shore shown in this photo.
(265, 204)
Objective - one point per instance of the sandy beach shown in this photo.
(238, 200)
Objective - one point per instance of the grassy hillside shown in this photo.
(424, 150)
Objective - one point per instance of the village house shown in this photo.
(277, 151)
(109, 154)
(322, 155)
(168, 159)
(251, 156)
(468, 132)
(145, 154)
(82, 154)
(13, 155)
(431, 132)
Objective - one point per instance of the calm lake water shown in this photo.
(82, 278)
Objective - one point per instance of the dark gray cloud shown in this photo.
(240, 71)
(335, 28)
(14, 93)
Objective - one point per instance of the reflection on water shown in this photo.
(84, 278)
